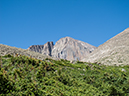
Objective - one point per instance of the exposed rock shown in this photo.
(43, 49)
(36, 48)
(4, 50)
(114, 51)
(71, 49)
(47, 50)
(66, 48)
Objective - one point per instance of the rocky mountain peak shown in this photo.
(36, 48)
(65, 40)
(48, 48)
(65, 48)
(71, 49)
(43, 49)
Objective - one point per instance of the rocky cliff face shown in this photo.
(4, 50)
(71, 49)
(36, 48)
(66, 48)
(43, 49)
(114, 51)
(47, 50)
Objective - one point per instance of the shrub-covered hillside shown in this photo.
(24, 76)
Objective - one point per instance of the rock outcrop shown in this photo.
(47, 50)
(43, 49)
(4, 50)
(36, 48)
(114, 51)
(71, 49)
(66, 48)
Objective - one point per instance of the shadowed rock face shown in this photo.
(43, 49)
(71, 49)
(36, 48)
(66, 48)
(114, 51)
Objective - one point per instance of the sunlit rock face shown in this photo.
(71, 49)
(47, 50)
(114, 51)
(65, 48)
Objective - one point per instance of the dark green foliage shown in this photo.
(6, 86)
(24, 76)
(8, 55)
(0, 61)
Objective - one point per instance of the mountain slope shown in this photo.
(65, 48)
(71, 49)
(47, 50)
(114, 51)
(36, 48)
(4, 50)
(43, 49)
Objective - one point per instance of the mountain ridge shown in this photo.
(5, 50)
(67, 48)
(43, 49)
(71, 49)
(113, 51)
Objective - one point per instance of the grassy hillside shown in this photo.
(24, 76)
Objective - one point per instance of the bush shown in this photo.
(22, 75)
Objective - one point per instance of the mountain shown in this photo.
(114, 51)
(65, 48)
(47, 50)
(4, 50)
(36, 48)
(71, 49)
(44, 49)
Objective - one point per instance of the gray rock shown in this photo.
(71, 49)
(36, 48)
(4, 50)
(114, 51)
(66, 48)
(45, 49)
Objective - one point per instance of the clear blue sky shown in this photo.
(34, 22)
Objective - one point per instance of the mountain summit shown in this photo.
(65, 48)
(71, 49)
(114, 51)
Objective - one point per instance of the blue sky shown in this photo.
(35, 22)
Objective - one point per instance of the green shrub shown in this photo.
(23, 75)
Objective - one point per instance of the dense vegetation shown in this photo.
(24, 76)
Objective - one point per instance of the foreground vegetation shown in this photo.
(24, 76)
